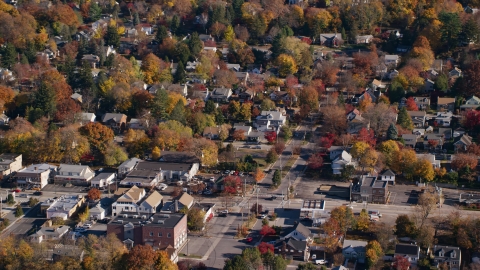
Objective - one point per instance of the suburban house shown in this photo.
(116, 121)
(9, 163)
(283, 96)
(242, 77)
(331, 39)
(183, 201)
(341, 161)
(446, 104)
(204, 37)
(431, 158)
(370, 190)
(434, 141)
(471, 104)
(74, 174)
(61, 251)
(99, 211)
(242, 127)
(298, 232)
(146, 174)
(455, 73)
(211, 132)
(35, 175)
(221, 94)
(462, 143)
(355, 124)
(127, 166)
(418, 118)
(4, 119)
(446, 132)
(410, 140)
(270, 121)
(451, 256)
(176, 88)
(429, 85)
(86, 118)
(291, 248)
(352, 114)
(76, 97)
(335, 151)
(423, 103)
(245, 96)
(443, 118)
(62, 207)
(392, 60)
(386, 176)
(158, 230)
(91, 59)
(103, 180)
(365, 39)
(49, 233)
(355, 250)
(409, 251)
(136, 200)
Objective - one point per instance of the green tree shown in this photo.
(160, 104)
(253, 258)
(112, 38)
(9, 56)
(178, 112)
(396, 91)
(277, 178)
(136, 19)
(209, 107)
(45, 99)
(229, 34)
(271, 156)
(195, 44)
(306, 266)
(18, 211)
(10, 199)
(278, 45)
(470, 31)
(181, 52)
(162, 33)
(174, 24)
(347, 172)
(237, 263)
(94, 12)
(404, 227)
(392, 132)
(451, 27)
(441, 83)
(267, 105)
(287, 132)
(180, 74)
(404, 119)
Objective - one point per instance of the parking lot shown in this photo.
(61, 188)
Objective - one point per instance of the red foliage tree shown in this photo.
(367, 136)
(265, 247)
(279, 147)
(271, 136)
(315, 161)
(267, 230)
(231, 183)
(66, 110)
(411, 105)
(472, 119)
(463, 160)
(327, 140)
(401, 263)
(432, 143)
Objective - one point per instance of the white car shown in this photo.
(162, 188)
(87, 225)
(212, 179)
(180, 183)
(321, 262)
(314, 256)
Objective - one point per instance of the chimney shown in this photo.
(176, 206)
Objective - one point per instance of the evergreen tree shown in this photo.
(112, 38)
(396, 92)
(45, 99)
(95, 11)
(178, 112)
(162, 33)
(31, 52)
(174, 24)
(470, 31)
(160, 102)
(136, 19)
(23, 59)
(82, 49)
(341, 99)
(9, 56)
(344, 35)
(195, 44)
(109, 60)
(392, 132)
(85, 79)
(19, 211)
(237, 7)
(229, 14)
(219, 118)
(404, 120)
(209, 107)
(277, 45)
(180, 75)
(182, 52)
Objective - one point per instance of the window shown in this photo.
(114, 208)
(160, 234)
(169, 235)
(151, 233)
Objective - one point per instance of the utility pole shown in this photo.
(258, 189)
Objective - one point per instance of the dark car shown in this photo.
(38, 193)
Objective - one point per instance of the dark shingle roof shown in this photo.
(407, 249)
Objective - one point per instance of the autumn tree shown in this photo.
(411, 105)
(422, 51)
(271, 156)
(373, 252)
(94, 194)
(98, 136)
(424, 169)
(315, 161)
(401, 263)
(404, 227)
(388, 149)
(256, 209)
(344, 216)
(287, 65)
(335, 120)
(308, 96)
(140, 257)
(259, 175)
(264, 247)
(461, 161)
(363, 221)
(403, 162)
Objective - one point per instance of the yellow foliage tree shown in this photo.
(173, 99)
(404, 161)
(359, 149)
(389, 149)
(156, 153)
(106, 86)
(368, 160)
(424, 170)
(229, 34)
(423, 52)
(286, 64)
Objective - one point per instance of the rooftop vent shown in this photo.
(161, 221)
(125, 215)
(120, 221)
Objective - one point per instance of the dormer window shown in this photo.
(440, 254)
(452, 254)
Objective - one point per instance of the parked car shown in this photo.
(262, 216)
(249, 239)
(321, 262)
(179, 183)
(38, 193)
(87, 225)
(212, 179)
(207, 192)
(314, 256)
(80, 229)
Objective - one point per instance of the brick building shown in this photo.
(370, 190)
(158, 230)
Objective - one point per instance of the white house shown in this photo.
(471, 103)
(98, 212)
(270, 121)
(127, 166)
(298, 232)
(136, 200)
(392, 60)
(87, 118)
(4, 119)
(74, 174)
(341, 161)
(409, 251)
(355, 250)
(387, 176)
(103, 180)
